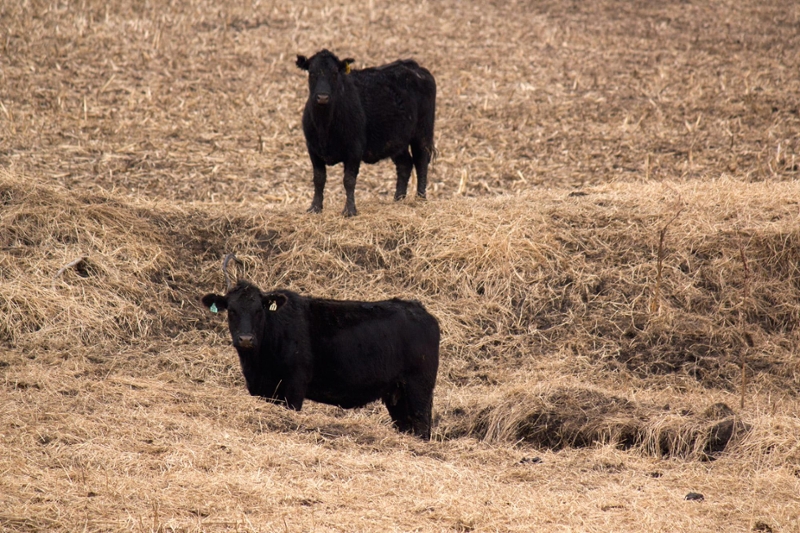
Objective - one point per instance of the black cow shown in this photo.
(367, 115)
(344, 353)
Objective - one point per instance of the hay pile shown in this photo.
(513, 281)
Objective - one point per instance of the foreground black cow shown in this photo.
(343, 353)
(367, 115)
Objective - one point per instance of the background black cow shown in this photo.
(344, 353)
(367, 115)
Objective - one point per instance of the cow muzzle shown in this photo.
(322, 99)
(245, 341)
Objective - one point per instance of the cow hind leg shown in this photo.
(422, 152)
(404, 164)
(398, 411)
(418, 398)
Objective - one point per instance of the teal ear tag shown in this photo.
(213, 308)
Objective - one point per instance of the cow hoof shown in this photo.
(314, 209)
(398, 197)
(349, 212)
(421, 196)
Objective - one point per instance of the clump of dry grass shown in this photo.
(100, 296)
(551, 416)
(509, 284)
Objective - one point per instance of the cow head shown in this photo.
(325, 74)
(250, 311)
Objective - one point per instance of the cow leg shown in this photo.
(422, 158)
(294, 392)
(320, 176)
(398, 411)
(404, 164)
(350, 175)
(419, 399)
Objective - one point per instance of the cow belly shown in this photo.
(346, 398)
(379, 152)
(356, 368)
(388, 142)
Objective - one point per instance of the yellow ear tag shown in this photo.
(273, 306)
(347, 68)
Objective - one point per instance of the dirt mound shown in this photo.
(559, 417)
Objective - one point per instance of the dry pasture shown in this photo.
(584, 359)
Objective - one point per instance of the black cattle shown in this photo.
(367, 115)
(344, 353)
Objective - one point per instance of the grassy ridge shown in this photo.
(511, 279)
(585, 364)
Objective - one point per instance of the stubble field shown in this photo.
(584, 364)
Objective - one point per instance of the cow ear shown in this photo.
(302, 62)
(273, 301)
(345, 65)
(215, 302)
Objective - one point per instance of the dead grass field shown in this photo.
(579, 388)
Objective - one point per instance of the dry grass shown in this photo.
(141, 142)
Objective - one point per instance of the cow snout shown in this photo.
(245, 341)
(323, 99)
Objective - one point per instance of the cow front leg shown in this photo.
(320, 176)
(294, 392)
(404, 164)
(422, 158)
(350, 175)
